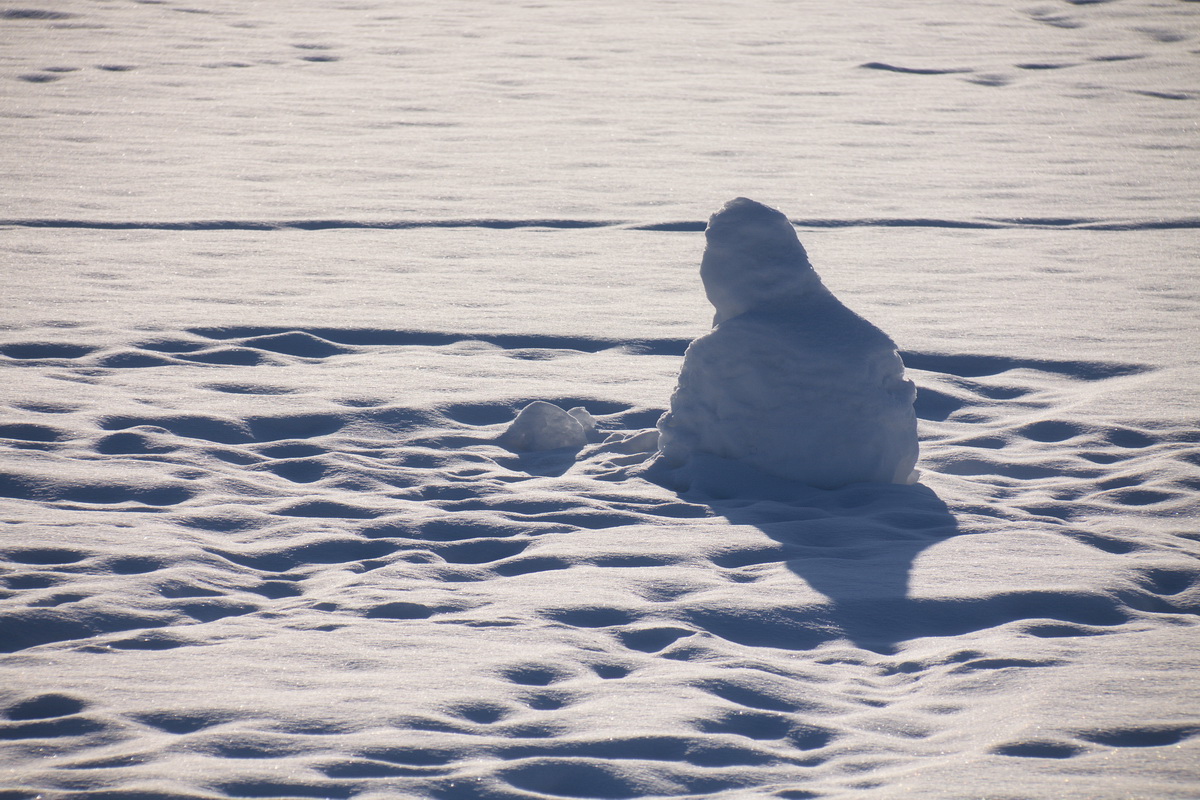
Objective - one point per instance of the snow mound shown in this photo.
(545, 426)
(789, 380)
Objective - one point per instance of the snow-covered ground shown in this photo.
(276, 276)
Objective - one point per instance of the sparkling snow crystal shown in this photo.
(789, 380)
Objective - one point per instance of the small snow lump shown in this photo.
(544, 426)
(789, 381)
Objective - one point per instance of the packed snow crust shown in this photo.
(278, 278)
(789, 381)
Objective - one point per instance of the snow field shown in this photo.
(335, 595)
(137, 112)
(276, 280)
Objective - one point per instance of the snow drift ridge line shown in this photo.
(304, 224)
(1038, 223)
(380, 337)
(681, 226)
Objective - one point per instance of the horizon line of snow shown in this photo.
(687, 226)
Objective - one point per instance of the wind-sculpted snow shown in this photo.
(789, 381)
(398, 604)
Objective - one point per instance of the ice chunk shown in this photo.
(543, 426)
(789, 380)
(581, 415)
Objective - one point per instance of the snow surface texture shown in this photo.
(278, 276)
(790, 381)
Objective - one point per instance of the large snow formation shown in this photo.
(789, 380)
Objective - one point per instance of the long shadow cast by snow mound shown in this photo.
(856, 546)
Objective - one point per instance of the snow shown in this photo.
(789, 381)
(754, 261)
(545, 426)
(278, 279)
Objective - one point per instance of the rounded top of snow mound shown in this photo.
(753, 259)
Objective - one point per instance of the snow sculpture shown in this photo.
(789, 381)
(545, 426)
